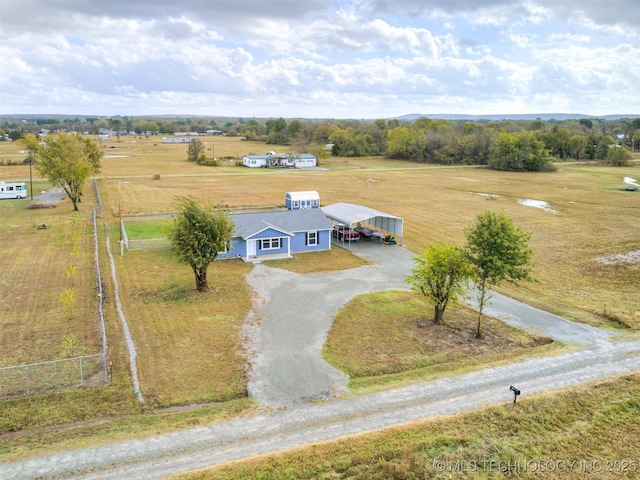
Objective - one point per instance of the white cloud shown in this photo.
(318, 57)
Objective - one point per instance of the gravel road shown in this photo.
(285, 333)
(52, 195)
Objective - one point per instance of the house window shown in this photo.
(227, 247)
(312, 238)
(296, 203)
(270, 243)
(315, 202)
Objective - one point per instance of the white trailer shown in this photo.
(13, 190)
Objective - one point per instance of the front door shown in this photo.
(251, 248)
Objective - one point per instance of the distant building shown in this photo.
(280, 160)
(302, 200)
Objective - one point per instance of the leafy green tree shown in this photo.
(586, 123)
(319, 151)
(603, 146)
(635, 141)
(441, 273)
(401, 143)
(498, 251)
(519, 152)
(558, 141)
(195, 150)
(65, 160)
(618, 156)
(198, 234)
(578, 145)
(277, 131)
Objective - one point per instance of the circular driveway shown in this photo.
(293, 313)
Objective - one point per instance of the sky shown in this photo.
(319, 58)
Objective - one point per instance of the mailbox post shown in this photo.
(516, 392)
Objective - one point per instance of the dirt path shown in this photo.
(289, 325)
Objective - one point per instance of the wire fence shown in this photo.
(98, 199)
(141, 244)
(148, 244)
(43, 377)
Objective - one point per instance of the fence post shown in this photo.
(81, 376)
(26, 370)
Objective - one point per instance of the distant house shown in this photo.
(278, 234)
(280, 160)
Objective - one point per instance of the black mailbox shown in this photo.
(516, 392)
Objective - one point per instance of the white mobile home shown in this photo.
(13, 190)
(279, 160)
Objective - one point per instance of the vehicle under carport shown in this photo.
(361, 218)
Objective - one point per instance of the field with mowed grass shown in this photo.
(37, 266)
(190, 345)
(388, 338)
(588, 216)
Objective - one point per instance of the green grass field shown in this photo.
(184, 337)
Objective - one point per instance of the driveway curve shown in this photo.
(290, 320)
(293, 314)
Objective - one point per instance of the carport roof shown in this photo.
(349, 214)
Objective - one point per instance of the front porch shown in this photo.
(261, 258)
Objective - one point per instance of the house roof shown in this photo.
(286, 221)
(304, 195)
(350, 214)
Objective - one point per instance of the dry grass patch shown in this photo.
(377, 334)
(335, 259)
(188, 343)
(121, 425)
(594, 218)
(35, 266)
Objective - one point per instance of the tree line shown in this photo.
(525, 145)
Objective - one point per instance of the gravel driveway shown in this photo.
(286, 331)
(52, 195)
(292, 317)
(294, 313)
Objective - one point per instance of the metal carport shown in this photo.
(351, 214)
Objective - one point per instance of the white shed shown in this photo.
(302, 200)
